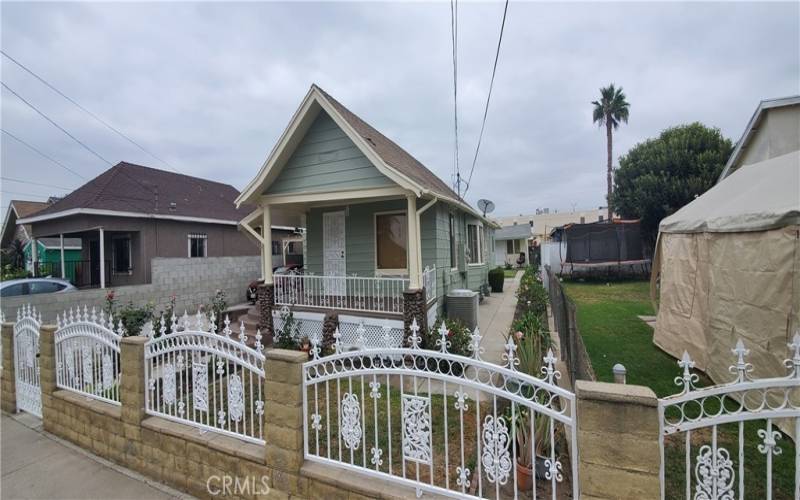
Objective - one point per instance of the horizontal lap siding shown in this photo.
(327, 160)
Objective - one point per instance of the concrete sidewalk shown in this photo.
(495, 316)
(39, 466)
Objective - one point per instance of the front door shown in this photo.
(333, 249)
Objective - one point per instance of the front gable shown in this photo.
(327, 160)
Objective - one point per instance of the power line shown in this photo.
(25, 194)
(35, 183)
(454, 36)
(59, 127)
(108, 125)
(40, 153)
(75, 138)
(488, 97)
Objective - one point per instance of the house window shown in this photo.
(600, 218)
(474, 244)
(198, 245)
(121, 255)
(452, 240)
(276, 248)
(509, 246)
(391, 241)
(294, 248)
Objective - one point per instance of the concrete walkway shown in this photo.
(495, 316)
(39, 466)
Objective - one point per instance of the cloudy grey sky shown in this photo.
(209, 87)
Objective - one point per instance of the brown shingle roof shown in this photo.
(26, 208)
(126, 187)
(391, 153)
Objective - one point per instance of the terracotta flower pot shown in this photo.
(524, 477)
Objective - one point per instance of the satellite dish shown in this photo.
(485, 206)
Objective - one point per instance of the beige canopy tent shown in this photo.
(729, 266)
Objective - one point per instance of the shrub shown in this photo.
(134, 317)
(496, 278)
(11, 273)
(458, 335)
(531, 294)
(285, 338)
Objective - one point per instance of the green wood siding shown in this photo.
(327, 160)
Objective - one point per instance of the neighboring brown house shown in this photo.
(139, 213)
(19, 209)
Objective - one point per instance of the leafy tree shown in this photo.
(659, 176)
(14, 254)
(610, 110)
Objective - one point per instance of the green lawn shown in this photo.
(510, 273)
(612, 332)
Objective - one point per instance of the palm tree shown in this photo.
(611, 109)
(14, 255)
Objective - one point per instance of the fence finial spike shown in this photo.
(85, 313)
(71, 315)
(39, 318)
(475, 344)
(110, 321)
(259, 347)
(414, 339)
(212, 320)
(227, 329)
(315, 348)
(242, 332)
(509, 356)
(549, 369)
(162, 329)
(360, 331)
(94, 314)
(58, 321)
(199, 319)
(102, 319)
(687, 379)
(794, 363)
(173, 327)
(442, 341)
(741, 368)
(120, 328)
(337, 341)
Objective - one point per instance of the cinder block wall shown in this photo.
(193, 281)
(618, 434)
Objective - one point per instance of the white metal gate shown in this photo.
(26, 361)
(440, 422)
(713, 418)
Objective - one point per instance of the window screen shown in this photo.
(474, 244)
(391, 241)
(452, 241)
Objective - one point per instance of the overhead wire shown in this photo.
(488, 97)
(454, 36)
(11, 179)
(82, 108)
(40, 153)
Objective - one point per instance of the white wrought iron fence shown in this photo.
(26, 360)
(213, 381)
(429, 282)
(355, 293)
(716, 444)
(87, 354)
(441, 422)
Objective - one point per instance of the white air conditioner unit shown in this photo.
(462, 305)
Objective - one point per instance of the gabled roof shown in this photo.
(752, 127)
(389, 158)
(18, 209)
(133, 190)
(25, 208)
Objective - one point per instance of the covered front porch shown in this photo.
(362, 250)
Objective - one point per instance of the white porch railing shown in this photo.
(355, 293)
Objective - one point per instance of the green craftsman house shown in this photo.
(380, 226)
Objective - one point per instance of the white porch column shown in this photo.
(35, 256)
(63, 271)
(266, 229)
(102, 259)
(414, 258)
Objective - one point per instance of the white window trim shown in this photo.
(114, 270)
(190, 237)
(453, 240)
(481, 252)
(388, 272)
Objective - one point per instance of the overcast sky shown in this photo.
(210, 87)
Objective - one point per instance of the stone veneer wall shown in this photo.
(617, 434)
(193, 281)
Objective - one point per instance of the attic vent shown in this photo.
(173, 206)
